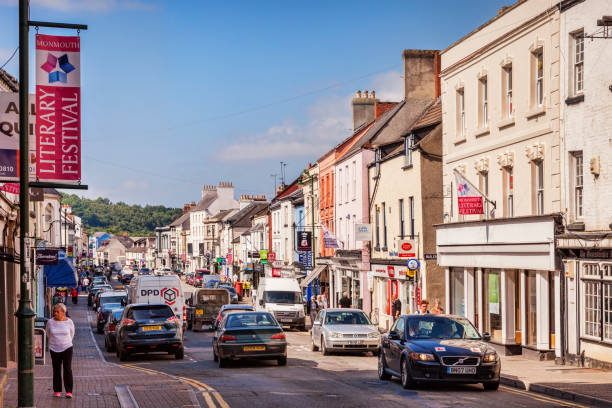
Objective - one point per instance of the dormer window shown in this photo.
(408, 146)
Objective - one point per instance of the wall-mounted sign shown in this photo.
(413, 264)
(407, 248)
(276, 272)
(304, 241)
(271, 257)
(263, 254)
(391, 271)
(430, 256)
(469, 199)
(277, 264)
(249, 266)
(305, 258)
(9, 136)
(47, 256)
(363, 232)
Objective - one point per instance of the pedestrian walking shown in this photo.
(437, 309)
(60, 330)
(74, 293)
(314, 309)
(323, 304)
(423, 308)
(86, 284)
(345, 302)
(396, 307)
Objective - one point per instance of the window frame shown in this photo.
(538, 56)
(461, 113)
(578, 184)
(377, 210)
(484, 103)
(507, 78)
(412, 223)
(384, 211)
(539, 186)
(408, 146)
(401, 218)
(595, 297)
(578, 62)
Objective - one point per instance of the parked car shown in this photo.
(112, 320)
(336, 330)
(438, 348)
(107, 301)
(249, 335)
(203, 307)
(159, 289)
(189, 278)
(283, 298)
(231, 290)
(148, 328)
(225, 309)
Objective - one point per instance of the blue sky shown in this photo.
(179, 94)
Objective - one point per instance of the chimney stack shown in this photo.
(363, 108)
(421, 74)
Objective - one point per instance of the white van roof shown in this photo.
(286, 284)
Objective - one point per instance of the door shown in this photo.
(396, 346)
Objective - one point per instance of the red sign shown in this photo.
(407, 249)
(271, 257)
(58, 108)
(276, 272)
(470, 205)
(391, 271)
(230, 258)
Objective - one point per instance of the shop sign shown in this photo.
(407, 249)
(304, 241)
(263, 254)
(370, 277)
(363, 232)
(305, 258)
(429, 257)
(230, 258)
(9, 137)
(249, 266)
(391, 271)
(410, 274)
(277, 264)
(276, 272)
(271, 257)
(47, 256)
(413, 264)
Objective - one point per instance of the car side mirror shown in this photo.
(393, 335)
(486, 336)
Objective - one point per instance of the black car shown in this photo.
(106, 302)
(148, 328)
(144, 271)
(112, 320)
(438, 348)
(94, 291)
(249, 335)
(225, 309)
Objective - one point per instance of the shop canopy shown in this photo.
(62, 274)
(313, 275)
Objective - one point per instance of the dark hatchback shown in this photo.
(149, 328)
(109, 328)
(249, 335)
(438, 348)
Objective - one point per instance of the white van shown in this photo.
(283, 298)
(165, 289)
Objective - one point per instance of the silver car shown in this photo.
(336, 330)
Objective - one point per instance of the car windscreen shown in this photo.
(226, 311)
(110, 306)
(117, 314)
(211, 298)
(229, 288)
(279, 296)
(152, 312)
(111, 299)
(348, 317)
(424, 327)
(237, 319)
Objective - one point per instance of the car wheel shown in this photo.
(123, 355)
(491, 385)
(324, 349)
(382, 369)
(405, 375)
(215, 357)
(189, 325)
(314, 346)
(99, 331)
(107, 345)
(179, 354)
(282, 361)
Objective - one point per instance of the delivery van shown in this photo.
(283, 298)
(165, 289)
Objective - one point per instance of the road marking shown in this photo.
(542, 398)
(94, 339)
(205, 394)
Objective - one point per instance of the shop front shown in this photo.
(385, 281)
(501, 275)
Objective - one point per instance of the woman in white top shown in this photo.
(60, 330)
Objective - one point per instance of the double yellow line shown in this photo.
(542, 398)
(207, 391)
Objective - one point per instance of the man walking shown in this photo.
(345, 302)
(396, 307)
(423, 308)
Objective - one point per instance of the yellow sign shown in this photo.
(409, 273)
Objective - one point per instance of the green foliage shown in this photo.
(102, 215)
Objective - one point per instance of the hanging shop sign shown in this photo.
(271, 257)
(305, 258)
(276, 272)
(47, 257)
(58, 108)
(263, 255)
(413, 264)
(468, 197)
(407, 249)
(329, 239)
(304, 241)
(363, 232)
(9, 136)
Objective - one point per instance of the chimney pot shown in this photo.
(358, 94)
(365, 94)
(373, 95)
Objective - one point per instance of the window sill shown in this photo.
(377, 248)
(572, 100)
(482, 132)
(459, 141)
(505, 123)
(384, 249)
(406, 167)
(540, 110)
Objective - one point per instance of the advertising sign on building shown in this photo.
(363, 232)
(276, 272)
(305, 258)
(407, 248)
(263, 255)
(58, 108)
(9, 136)
(271, 257)
(329, 239)
(47, 256)
(304, 242)
(468, 197)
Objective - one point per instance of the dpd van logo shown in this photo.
(169, 295)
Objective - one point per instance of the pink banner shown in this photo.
(58, 108)
(470, 205)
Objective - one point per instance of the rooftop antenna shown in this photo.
(283, 165)
(274, 175)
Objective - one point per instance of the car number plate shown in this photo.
(358, 342)
(286, 320)
(462, 370)
(151, 328)
(254, 348)
(199, 312)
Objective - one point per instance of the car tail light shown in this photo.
(225, 338)
(111, 327)
(100, 316)
(128, 321)
(279, 336)
(172, 319)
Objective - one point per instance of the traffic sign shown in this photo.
(413, 264)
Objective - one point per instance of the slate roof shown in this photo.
(380, 123)
(205, 202)
(242, 218)
(180, 220)
(402, 122)
(9, 81)
(219, 216)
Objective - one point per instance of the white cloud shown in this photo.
(87, 5)
(135, 185)
(329, 122)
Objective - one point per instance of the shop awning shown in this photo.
(62, 274)
(313, 275)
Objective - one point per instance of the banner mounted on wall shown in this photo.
(58, 108)
(470, 200)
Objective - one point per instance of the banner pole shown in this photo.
(24, 314)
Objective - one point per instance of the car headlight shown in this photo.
(422, 357)
(373, 335)
(300, 313)
(490, 357)
(336, 335)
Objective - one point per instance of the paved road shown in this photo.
(313, 380)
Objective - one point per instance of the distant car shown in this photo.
(103, 314)
(144, 271)
(109, 328)
(249, 335)
(438, 348)
(225, 309)
(94, 291)
(199, 278)
(336, 330)
(99, 280)
(116, 298)
(148, 328)
(231, 290)
(126, 276)
(189, 278)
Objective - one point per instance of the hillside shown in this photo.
(103, 215)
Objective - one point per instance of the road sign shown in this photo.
(407, 249)
(413, 264)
